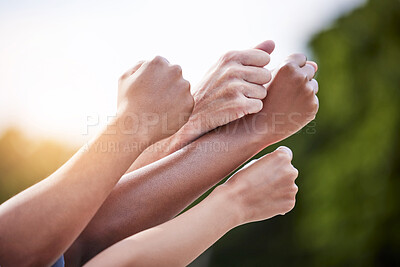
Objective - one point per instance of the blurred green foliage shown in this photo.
(24, 162)
(348, 209)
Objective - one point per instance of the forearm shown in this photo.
(184, 136)
(41, 222)
(176, 242)
(159, 191)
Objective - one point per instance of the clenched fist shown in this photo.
(265, 187)
(291, 102)
(231, 89)
(154, 98)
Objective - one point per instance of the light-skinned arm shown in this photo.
(158, 192)
(257, 192)
(231, 89)
(40, 223)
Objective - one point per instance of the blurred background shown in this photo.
(59, 65)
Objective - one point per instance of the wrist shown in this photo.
(229, 205)
(189, 132)
(125, 131)
(147, 127)
(258, 137)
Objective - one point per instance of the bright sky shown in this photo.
(60, 60)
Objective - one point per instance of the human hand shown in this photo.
(291, 103)
(231, 89)
(264, 187)
(154, 98)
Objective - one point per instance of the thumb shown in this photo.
(284, 149)
(267, 46)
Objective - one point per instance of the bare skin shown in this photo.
(40, 223)
(257, 192)
(231, 89)
(159, 79)
(158, 192)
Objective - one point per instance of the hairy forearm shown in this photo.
(176, 242)
(158, 192)
(40, 223)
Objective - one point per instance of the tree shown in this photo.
(348, 204)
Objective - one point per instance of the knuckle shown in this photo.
(230, 73)
(315, 107)
(315, 104)
(185, 85)
(295, 189)
(190, 102)
(283, 156)
(290, 67)
(157, 60)
(310, 89)
(311, 116)
(294, 173)
(300, 77)
(238, 87)
(316, 84)
(299, 55)
(176, 69)
(229, 56)
(287, 206)
(291, 172)
(291, 204)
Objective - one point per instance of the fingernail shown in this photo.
(286, 150)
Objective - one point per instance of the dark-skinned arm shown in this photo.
(158, 192)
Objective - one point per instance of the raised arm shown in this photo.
(231, 89)
(257, 192)
(40, 223)
(158, 192)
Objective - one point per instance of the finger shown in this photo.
(266, 46)
(160, 59)
(317, 102)
(299, 59)
(286, 150)
(253, 105)
(315, 65)
(309, 70)
(252, 57)
(251, 90)
(313, 84)
(296, 172)
(256, 75)
(132, 70)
